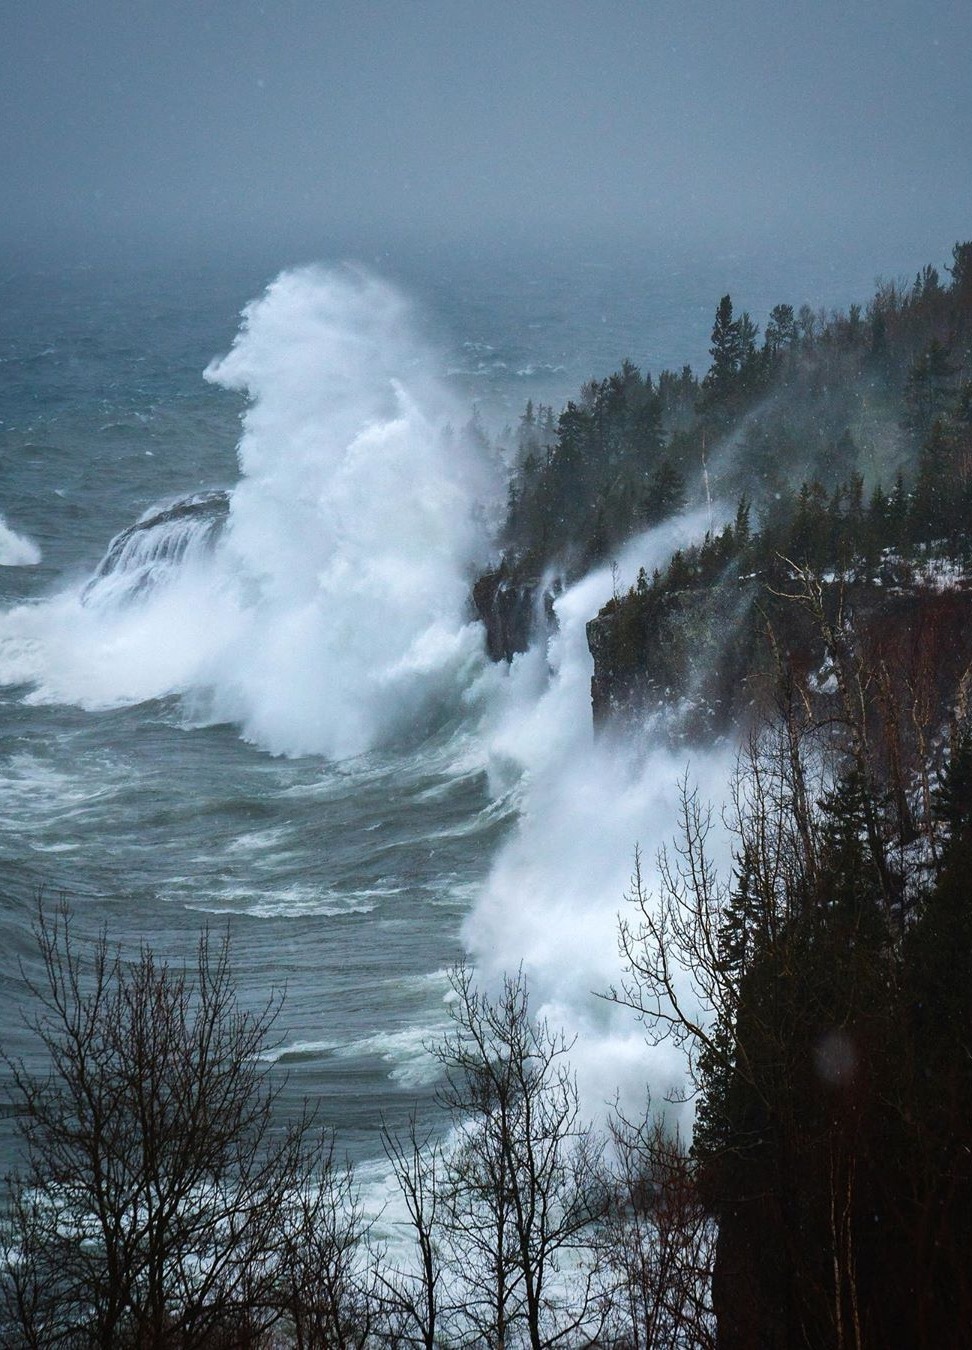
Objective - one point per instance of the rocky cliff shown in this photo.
(711, 658)
(515, 611)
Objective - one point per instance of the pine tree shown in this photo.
(726, 352)
(781, 329)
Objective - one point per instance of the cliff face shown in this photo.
(514, 612)
(710, 658)
(688, 654)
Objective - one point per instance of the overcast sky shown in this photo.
(209, 120)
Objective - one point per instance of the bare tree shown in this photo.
(659, 1241)
(413, 1296)
(328, 1272)
(690, 944)
(521, 1184)
(153, 1198)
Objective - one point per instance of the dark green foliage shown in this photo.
(678, 394)
(835, 1070)
(664, 493)
(738, 372)
(943, 488)
(961, 271)
(738, 933)
(952, 797)
(823, 400)
(929, 388)
(781, 333)
(602, 472)
(727, 352)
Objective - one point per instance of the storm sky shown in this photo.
(208, 120)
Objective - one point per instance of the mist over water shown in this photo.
(269, 702)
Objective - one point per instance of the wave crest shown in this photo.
(322, 603)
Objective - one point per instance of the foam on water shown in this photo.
(297, 1050)
(329, 613)
(404, 1051)
(16, 550)
(289, 902)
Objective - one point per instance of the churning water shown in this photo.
(240, 681)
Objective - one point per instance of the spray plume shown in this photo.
(16, 550)
(329, 615)
(556, 888)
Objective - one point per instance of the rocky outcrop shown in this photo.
(684, 653)
(709, 658)
(515, 611)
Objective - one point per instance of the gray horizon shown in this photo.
(227, 126)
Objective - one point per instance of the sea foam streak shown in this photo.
(330, 612)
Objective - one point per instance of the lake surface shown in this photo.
(269, 706)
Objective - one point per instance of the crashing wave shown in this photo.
(322, 604)
(164, 538)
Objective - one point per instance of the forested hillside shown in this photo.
(824, 623)
(839, 441)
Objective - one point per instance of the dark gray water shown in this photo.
(254, 739)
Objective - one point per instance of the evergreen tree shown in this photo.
(961, 273)
(929, 387)
(931, 513)
(726, 352)
(781, 329)
(664, 494)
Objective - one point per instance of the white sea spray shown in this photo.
(330, 614)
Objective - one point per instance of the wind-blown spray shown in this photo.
(329, 613)
(16, 550)
(556, 888)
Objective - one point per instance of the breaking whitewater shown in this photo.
(242, 684)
